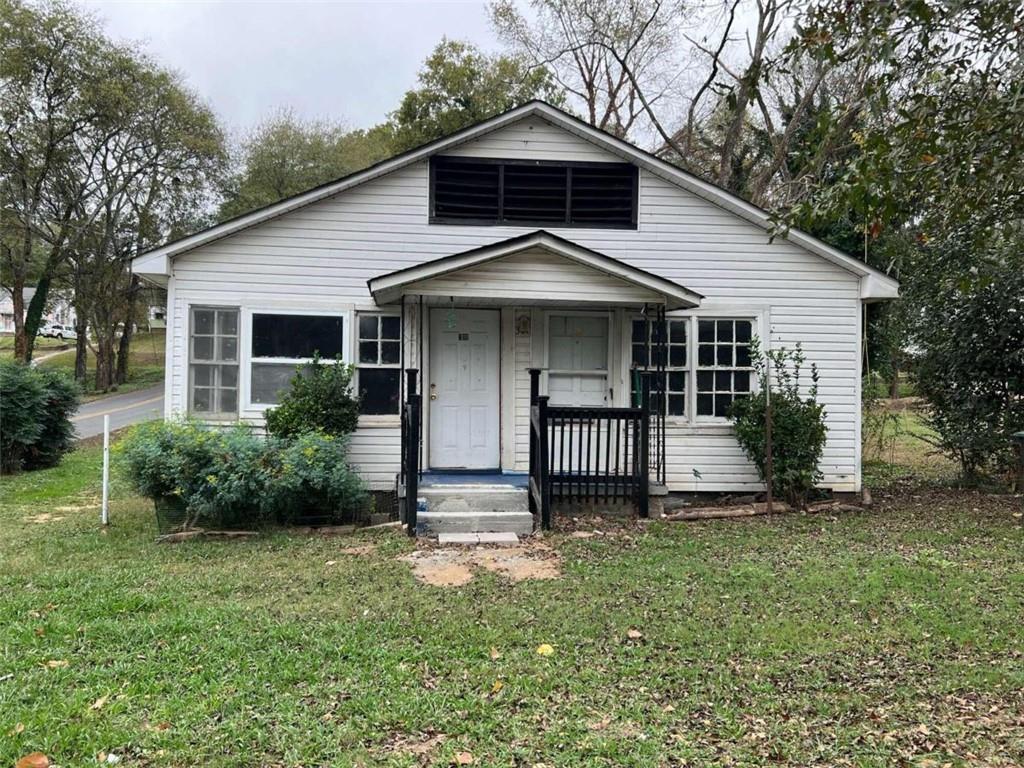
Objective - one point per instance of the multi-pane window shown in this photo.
(213, 361)
(723, 364)
(661, 345)
(379, 346)
(281, 343)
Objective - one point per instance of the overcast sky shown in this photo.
(348, 61)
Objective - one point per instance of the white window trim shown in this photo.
(757, 314)
(219, 418)
(686, 369)
(609, 315)
(379, 419)
(246, 359)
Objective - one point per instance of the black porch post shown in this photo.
(534, 458)
(644, 490)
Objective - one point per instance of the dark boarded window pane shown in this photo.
(743, 356)
(724, 354)
(722, 403)
(723, 381)
(640, 355)
(705, 405)
(677, 356)
(639, 331)
(725, 330)
(535, 193)
(296, 336)
(677, 381)
(741, 381)
(378, 391)
(603, 195)
(367, 326)
(705, 381)
(706, 354)
(676, 405)
(706, 330)
(368, 352)
(677, 332)
(391, 327)
(743, 331)
(389, 352)
(465, 191)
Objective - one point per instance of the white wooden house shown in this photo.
(531, 240)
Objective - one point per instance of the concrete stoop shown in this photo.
(473, 508)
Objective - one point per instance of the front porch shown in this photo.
(521, 367)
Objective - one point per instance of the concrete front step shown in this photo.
(474, 508)
(433, 523)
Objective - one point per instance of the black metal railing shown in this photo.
(588, 454)
(409, 471)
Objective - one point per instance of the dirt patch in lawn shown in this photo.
(45, 517)
(420, 747)
(454, 567)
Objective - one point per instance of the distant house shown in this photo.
(529, 241)
(58, 309)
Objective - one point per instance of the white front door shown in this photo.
(463, 392)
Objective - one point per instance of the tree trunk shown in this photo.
(18, 301)
(894, 383)
(81, 348)
(104, 360)
(34, 315)
(121, 374)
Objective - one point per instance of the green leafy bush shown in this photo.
(36, 405)
(798, 424)
(970, 369)
(311, 475)
(320, 399)
(234, 477)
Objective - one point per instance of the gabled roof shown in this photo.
(874, 284)
(389, 287)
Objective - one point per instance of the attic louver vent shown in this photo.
(533, 193)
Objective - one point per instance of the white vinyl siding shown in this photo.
(322, 255)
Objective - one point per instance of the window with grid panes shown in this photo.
(645, 352)
(213, 362)
(723, 364)
(379, 357)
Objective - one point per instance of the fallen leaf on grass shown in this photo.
(601, 724)
(495, 654)
(33, 760)
(463, 758)
(544, 649)
(56, 663)
(634, 634)
(18, 728)
(496, 688)
(98, 704)
(331, 562)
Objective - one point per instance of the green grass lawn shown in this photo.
(888, 637)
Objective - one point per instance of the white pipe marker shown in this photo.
(104, 509)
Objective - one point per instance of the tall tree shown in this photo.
(578, 42)
(52, 75)
(286, 155)
(151, 178)
(458, 86)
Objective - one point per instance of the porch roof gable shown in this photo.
(606, 280)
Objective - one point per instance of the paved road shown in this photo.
(124, 410)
